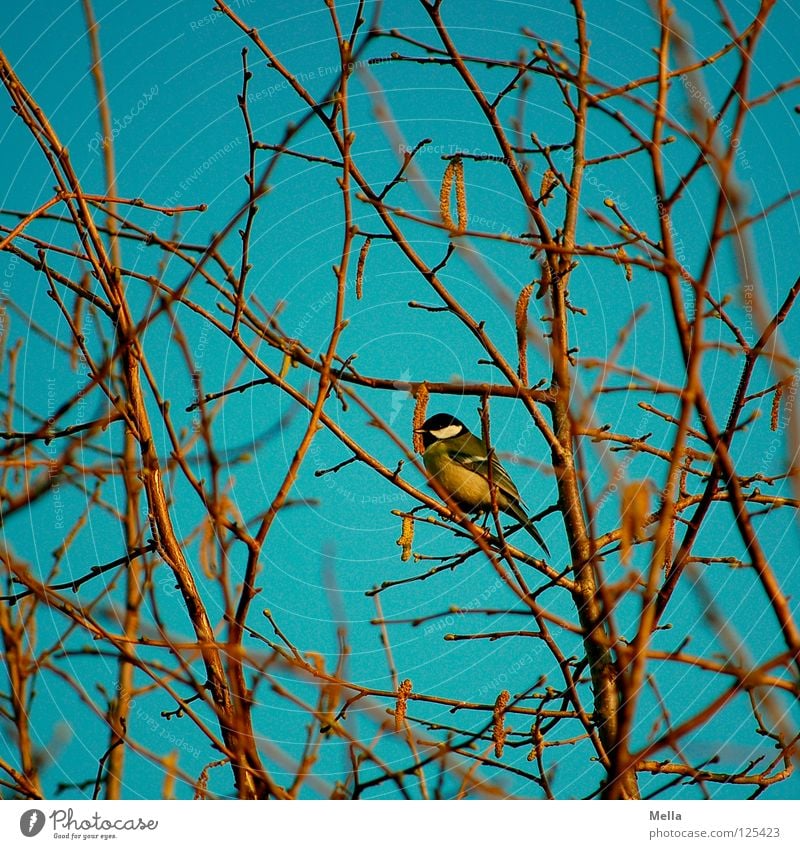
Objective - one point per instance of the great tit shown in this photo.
(459, 461)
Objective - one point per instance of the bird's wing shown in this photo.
(480, 464)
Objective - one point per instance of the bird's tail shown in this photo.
(518, 513)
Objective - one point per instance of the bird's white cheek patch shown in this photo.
(447, 432)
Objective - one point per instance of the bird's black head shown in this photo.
(440, 426)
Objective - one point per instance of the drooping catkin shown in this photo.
(634, 506)
(403, 692)
(461, 195)
(201, 786)
(521, 321)
(537, 740)
(549, 182)
(776, 407)
(499, 723)
(208, 549)
(406, 538)
(670, 546)
(420, 412)
(621, 258)
(444, 194)
(4, 332)
(362, 261)
(544, 281)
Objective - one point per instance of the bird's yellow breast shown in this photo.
(467, 488)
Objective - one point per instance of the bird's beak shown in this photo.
(419, 430)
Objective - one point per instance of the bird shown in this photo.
(459, 461)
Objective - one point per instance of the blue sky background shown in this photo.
(186, 145)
